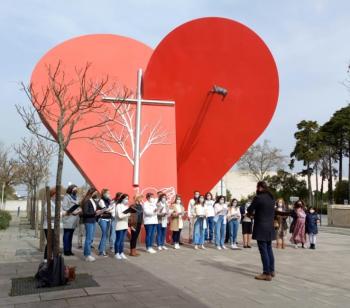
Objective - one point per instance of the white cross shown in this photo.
(138, 101)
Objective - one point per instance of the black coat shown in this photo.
(263, 209)
(89, 213)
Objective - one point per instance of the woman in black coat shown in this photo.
(263, 210)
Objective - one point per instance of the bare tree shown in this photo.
(67, 105)
(9, 170)
(34, 155)
(261, 159)
(119, 138)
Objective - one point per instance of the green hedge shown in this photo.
(5, 218)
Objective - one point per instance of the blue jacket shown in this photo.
(311, 223)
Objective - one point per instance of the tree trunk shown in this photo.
(321, 205)
(316, 197)
(330, 181)
(60, 162)
(340, 171)
(42, 234)
(349, 175)
(49, 231)
(309, 183)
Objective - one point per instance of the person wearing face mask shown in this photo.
(111, 235)
(104, 220)
(176, 211)
(162, 214)
(220, 208)
(70, 217)
(263, 210)
(209, 203)
(90, 211)
(312, 219)
(190, 215)
(150, 220)
(121, 226)
(280, 223)
(200, 222)
(233, 218)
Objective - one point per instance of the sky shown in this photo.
(310, 41)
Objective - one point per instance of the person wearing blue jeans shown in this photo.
(161, 231)
(209, 204)
(199, 214)
(267, 257)
(90, 212)
(233, 225)
(104, 225)
(150, 220)
(119, 241)
(220, 209)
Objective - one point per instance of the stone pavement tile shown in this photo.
(105, 290)
(19, 299)
(52, 304)
(92, 300)
(64, 294)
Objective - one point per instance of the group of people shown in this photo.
(210, 221)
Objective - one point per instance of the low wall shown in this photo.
(339, 215)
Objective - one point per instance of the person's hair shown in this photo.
(197, 200)
(233, 200)
(196, 191)
(284, 205)
(177, 197)
(104, 190)
(161, 196)
(149, 195)
(138, 198)
(52, 192)
(159, 193)
(264, 187)
(311, 208)
(70, 188)
(88, 195)
(299, 204)
(117, 196)
(209, 194)
(122, 197)
(218, 198)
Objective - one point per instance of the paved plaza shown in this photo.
(188, 278)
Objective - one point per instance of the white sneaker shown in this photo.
(123, 256)
(159, 248)
(177, 246)
(151, 250)
(90, 259)
(234, 246)
(296, 246)
(118, 256)
(224, 247)
(195, 246)
(203, 247)
(218, 247)
(165, 248)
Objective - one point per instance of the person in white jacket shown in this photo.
(200, 222)
(209, 203)
(121, 226)
(150, 220)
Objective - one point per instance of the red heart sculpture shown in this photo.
(213, 131)
(119, 58)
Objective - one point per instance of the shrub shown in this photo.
(5, 218)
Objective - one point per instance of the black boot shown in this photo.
(313, 246)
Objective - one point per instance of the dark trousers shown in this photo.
(176, 236)
(52, 242)
(267, 258)
(134, 236)
(67, 240)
